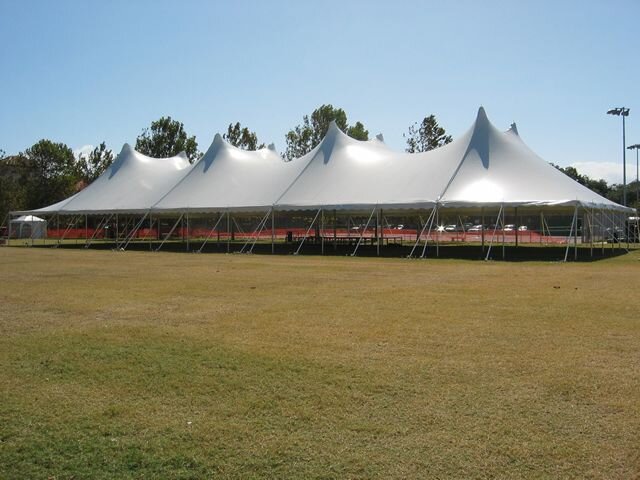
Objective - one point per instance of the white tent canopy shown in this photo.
(29, 226)
(483, 167)
(131, 184)
(498, 168)
(227, 177)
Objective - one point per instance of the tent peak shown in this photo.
(126, 148)
(333, 128)
(272, 147)
(514, 129)
(380, 137)
(482, 115)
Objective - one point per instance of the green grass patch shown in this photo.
(141, 365)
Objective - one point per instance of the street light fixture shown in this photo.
(636, 147)
(623, 112)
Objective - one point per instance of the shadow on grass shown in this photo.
(510, 253)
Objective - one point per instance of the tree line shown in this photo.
(48, 172)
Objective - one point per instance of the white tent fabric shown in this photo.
(343, 173)
(131, 184)
(498, 168)
(483, 167)
(227, 177)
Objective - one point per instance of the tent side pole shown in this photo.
(575, 237)
(382, 223)
(517, 224)
(493, 234)
(503, 234)
(335, 230)
(482, 225)
(187, 234)
(355, 250)
(9, 230)
(322, 231)
(428, 223)
(307, 232)
(437, 231)
(215, 228)
(273, 231)
(175, 225)
(228, 231)
(573, 222)
(378, 233)
(420, 232)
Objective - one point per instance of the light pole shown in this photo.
(623, 112)
(636, 147)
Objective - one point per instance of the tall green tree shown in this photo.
(52, 173)
(599, 186)
(426, 135)
(242, 137)
(13, 175)
(167, 138)
(304, 137)
(93, 165)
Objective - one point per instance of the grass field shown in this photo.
(166, 365)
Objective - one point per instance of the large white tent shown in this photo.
(484, 167)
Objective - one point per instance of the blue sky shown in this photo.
(81, 72)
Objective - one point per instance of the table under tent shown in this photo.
(485, 193)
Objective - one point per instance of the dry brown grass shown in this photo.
(130, 365)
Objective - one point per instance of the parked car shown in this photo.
(475, 228)
(450, 228)
(523, 228)
(509, 228)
